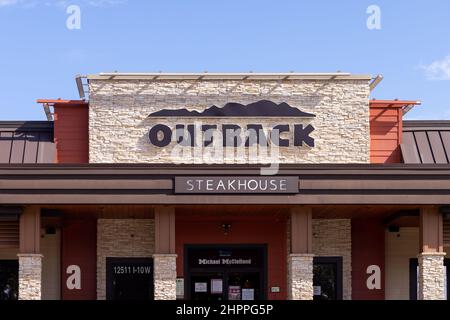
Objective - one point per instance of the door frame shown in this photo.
(338, 261)
(263, 269)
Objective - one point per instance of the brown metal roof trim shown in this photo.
(153, 184)
(427, 125)
(26, 126)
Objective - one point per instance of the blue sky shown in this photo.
(39, 55)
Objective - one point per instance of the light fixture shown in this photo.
(226, 227)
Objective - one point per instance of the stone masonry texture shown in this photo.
(30, 276)
(301, 277)
(119, 123)
(165, 275)
(331, 237)
(431, 276)
(122, 238)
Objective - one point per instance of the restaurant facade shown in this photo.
(225, 186)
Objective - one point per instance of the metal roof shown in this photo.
(426, 141)
(26, 142)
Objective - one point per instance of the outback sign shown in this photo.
(233, 135)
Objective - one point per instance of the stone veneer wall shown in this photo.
(122, 238)
(30, 276)
(333, 237)
(431, 276)
(300, 268)
(119, 123)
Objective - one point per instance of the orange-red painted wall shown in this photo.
(367, 250)
(385, 134)
(79, 247)
(257, 230)
(71, 133)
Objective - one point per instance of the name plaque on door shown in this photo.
(236, 184)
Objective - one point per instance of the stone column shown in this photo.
(164, 276)
(30, 259)
(300, 261)
(431, 278)
(165, 259)
(301, 276)
(30, 272)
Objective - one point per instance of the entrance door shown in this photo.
(327, 279)
(129, 278)
(9, 283)
(216, 272)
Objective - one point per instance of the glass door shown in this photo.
(327, 278)
(207, 287)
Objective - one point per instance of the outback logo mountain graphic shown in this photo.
(262, 108)
(232, 134)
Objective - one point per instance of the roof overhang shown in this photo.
(354, 184)
(405, 105)
(227, 76)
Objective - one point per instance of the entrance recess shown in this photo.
(129, 278)
(327, 279)
(225, 272)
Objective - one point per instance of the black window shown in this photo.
(9, 275)
(327, 279)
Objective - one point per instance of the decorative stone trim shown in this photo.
(165, 276)
(431, 276)
(300, 276)
(30, 276)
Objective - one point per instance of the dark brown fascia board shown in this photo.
(228, 168)
(26, 125)
(426, 125)
(153, 184)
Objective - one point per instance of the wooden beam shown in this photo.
(165, 230)
(301, 229)
(431, 230)
(30, 230)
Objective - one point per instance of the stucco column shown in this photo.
(431, 278)
(300, 261)
(165, 259)
(30, 259)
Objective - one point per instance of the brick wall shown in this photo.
(119, 109)
(122, 238)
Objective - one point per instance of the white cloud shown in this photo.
(438, 70)
(61, 3)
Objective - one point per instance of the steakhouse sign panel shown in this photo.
(237, 184)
